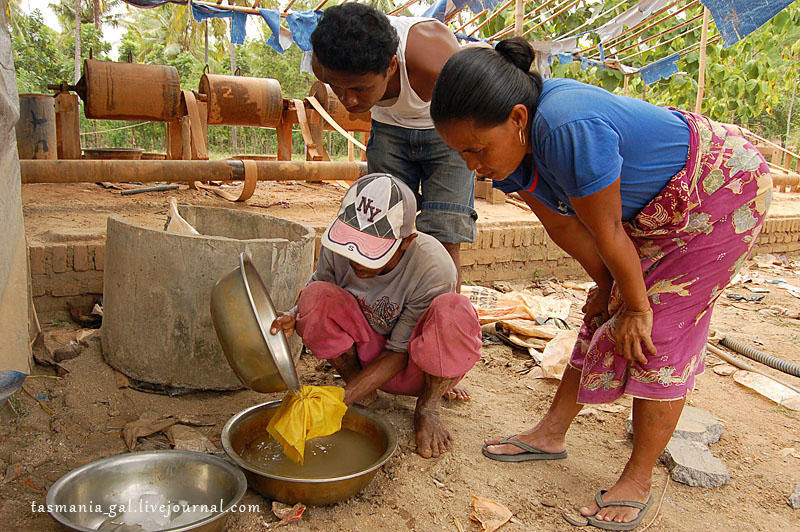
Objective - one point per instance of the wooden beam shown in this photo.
(148, 171)
(701, 69)
(518, 18)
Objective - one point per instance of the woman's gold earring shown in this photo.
(521, 137)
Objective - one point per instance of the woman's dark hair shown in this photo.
(484, 85)
(354, 38)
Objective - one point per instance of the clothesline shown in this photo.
(734, 18)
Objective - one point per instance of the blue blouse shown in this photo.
(585, 138)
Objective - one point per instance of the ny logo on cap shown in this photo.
(366, 207)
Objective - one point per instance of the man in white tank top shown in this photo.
(389, 65)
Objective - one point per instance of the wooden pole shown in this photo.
(519, 17)
(701, 74)
(149, 171)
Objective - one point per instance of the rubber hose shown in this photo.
(754, 354)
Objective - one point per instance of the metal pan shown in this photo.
(242, 312)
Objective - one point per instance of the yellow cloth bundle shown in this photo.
(313, 412)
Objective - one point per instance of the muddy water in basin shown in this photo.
(342, 453)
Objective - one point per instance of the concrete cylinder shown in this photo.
(36, 127)
(157, 324)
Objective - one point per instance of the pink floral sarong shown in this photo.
(692, 238)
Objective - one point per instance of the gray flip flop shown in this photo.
(531, 453)
(611, 525)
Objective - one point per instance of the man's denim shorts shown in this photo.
(442, 183)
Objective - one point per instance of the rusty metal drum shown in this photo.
(349, 121)
(130, 91)
(242, 101)
(36, 127)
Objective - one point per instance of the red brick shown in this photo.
(497, 238)
(80, 258)
(527, 237)
(518, 236)
(98, 253)
(58, 253)
(37, 256)
(38, 285)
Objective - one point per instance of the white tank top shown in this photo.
(408, 109)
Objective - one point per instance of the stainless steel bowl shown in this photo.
(84, 499)
(251, 423)
(242, 312)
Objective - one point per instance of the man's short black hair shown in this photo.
(354, 38)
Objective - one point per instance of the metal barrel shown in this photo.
(349, 121)
(130, 91)
(36, 127)
(242, 101)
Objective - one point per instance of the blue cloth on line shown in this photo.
(661, 69)
(238, 27)
(273, 19)
(201, 13)
(736, 19)
(301, 24)
(585, 138)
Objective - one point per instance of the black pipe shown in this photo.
(769, 360)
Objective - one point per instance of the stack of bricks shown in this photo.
(779, 235)
(513, 251)
(61, 272)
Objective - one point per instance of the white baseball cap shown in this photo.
(378, 211)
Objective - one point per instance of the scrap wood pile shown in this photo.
(533, 323)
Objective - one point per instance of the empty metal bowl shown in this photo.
(242, 312)
(250, 424)
(151, 490)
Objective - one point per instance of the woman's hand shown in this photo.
(596, 306)
(632, 330)
(285, 322)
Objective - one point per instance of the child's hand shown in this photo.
(284, 322)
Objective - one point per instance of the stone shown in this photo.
(692, 463)
(695, 424)
(68, 351)
(794, 498)
(502, 286)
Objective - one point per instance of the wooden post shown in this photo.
(701, 74)
(519, 17)
(315, 126)
(625, 86)
(364, 140)
(284, 132)
(68, 129)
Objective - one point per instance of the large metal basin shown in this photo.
(242, 313)
(249, 424)
(137, 480)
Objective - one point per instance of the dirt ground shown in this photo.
(760, 444)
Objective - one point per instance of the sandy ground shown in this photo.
(412, 493)
(77, 211)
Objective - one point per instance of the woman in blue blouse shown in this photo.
(660, 207)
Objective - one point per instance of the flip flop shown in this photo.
(531, 453)
(611, 525)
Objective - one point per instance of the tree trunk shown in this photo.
(96, 13)
(77, 41)
(205, 30)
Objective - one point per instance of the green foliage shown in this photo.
(36, 54)
(749, 83)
